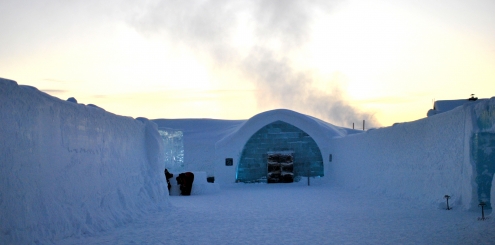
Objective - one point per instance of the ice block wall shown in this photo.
(279, 136)
(67, 169)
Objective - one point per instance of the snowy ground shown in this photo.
(297, 214)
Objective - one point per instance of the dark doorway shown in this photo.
(280, 167)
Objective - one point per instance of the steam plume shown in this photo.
(278, 29)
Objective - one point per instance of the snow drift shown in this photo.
(68, 169)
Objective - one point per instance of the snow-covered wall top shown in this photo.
(422, 160)
(447, 105)
(68, 169)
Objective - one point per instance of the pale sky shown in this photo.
(342, 61)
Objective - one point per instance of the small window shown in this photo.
(330, 158)
(229, 162)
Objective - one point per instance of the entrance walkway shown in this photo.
(297, 214)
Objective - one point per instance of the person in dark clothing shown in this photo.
(185, 180)
(168, 176)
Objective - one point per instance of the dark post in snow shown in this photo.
(363, 125)
(309, 171)
(447, 197)
(482, 204)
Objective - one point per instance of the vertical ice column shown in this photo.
(484, 158)
(174, 149)
(483, 149)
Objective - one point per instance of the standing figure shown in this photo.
(185, 180)
(168, 176)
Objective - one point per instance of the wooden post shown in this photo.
(308, 174)
(363, 125)
(447, 197)
(482, 204)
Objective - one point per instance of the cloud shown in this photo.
(100, 96)
(180, 95)
(55, 80)
(389, 100)
(275, 30)
(54, 91)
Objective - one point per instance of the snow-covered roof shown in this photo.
(319, 130)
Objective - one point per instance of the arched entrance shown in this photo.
(278, 141)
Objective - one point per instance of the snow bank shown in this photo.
(68, 169)
(422, 160)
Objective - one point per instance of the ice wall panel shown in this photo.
(173, 149)
(483, 151)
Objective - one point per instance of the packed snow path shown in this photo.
(297, 214)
